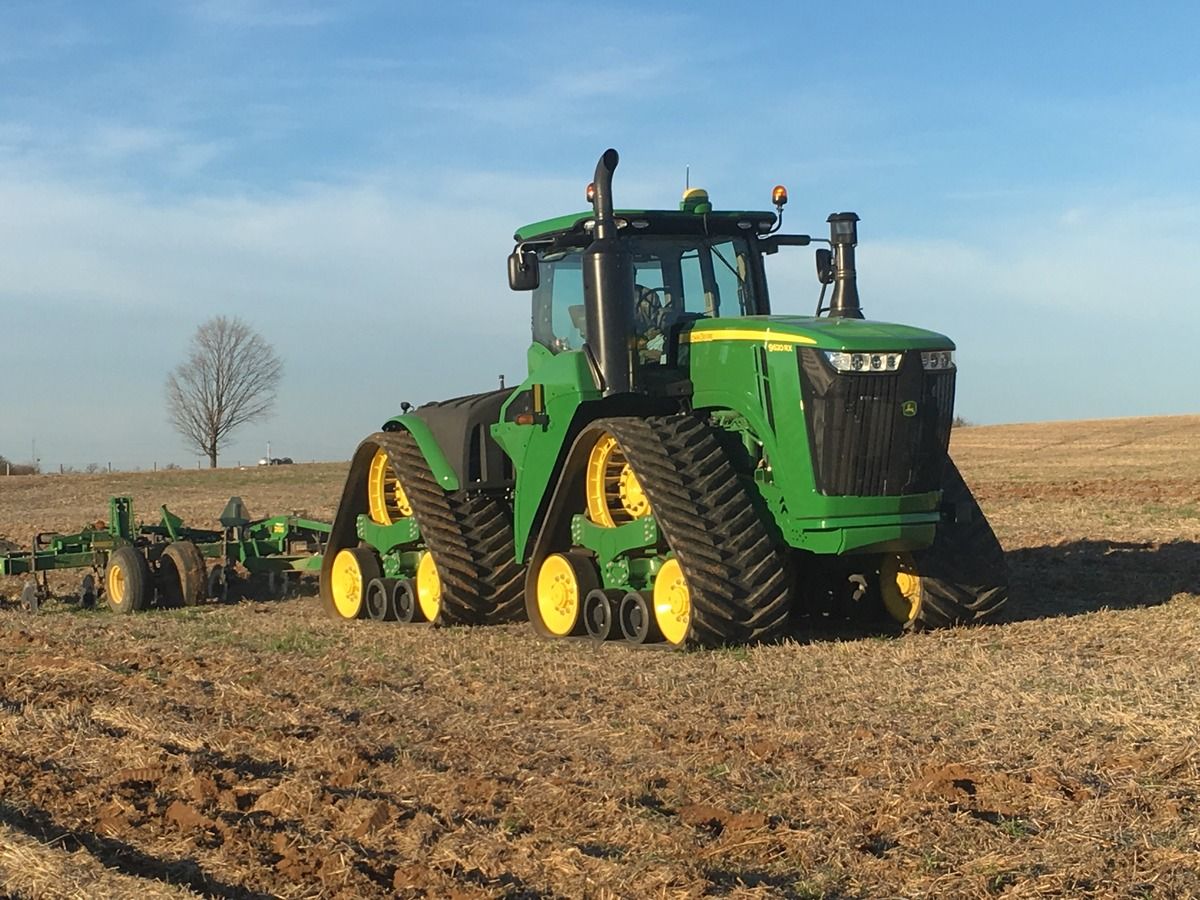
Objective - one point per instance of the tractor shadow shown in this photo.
(1067, 579)
(1079, 577)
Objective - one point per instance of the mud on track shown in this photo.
(261, 750)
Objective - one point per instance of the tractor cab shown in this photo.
(682, 267)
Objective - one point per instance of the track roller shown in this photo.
(636, 616)
(379, 599)
(405, 603)
(600, 608)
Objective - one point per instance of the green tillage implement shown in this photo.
(170, 560)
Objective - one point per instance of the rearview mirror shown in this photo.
(522, 270)
(774, 242)
(824, 266)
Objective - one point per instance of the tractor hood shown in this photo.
(809, 331)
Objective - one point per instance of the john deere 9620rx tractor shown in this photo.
(680, 465)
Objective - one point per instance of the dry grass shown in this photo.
(262, 750)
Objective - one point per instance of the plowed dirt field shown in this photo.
(262, 750)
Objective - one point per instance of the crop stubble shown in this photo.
(261, 750)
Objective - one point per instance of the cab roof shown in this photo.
(658, 221)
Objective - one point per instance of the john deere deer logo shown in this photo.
(909, 408)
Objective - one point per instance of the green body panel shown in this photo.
(621, 566)
(442, 470)
(536, 449)
(384, 537)
(736, 364)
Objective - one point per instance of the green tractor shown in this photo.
(680, 466)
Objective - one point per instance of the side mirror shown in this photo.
(522, 270)
(774, 242)
(824, 266)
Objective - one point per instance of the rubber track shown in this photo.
(739, 580)
(964, 577)
(470, 537)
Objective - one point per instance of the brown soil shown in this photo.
(263, 750)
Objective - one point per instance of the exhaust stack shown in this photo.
(608, 288)
(843, 236)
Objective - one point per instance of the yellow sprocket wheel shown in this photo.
(429, 587)
(900, 587)
(386, 501)
(614, 494)
(353, 568)
(672, 602)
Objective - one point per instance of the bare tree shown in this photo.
(230, 378)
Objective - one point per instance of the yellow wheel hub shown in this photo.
(614, 494)
(429, 587)
(559, 595)
(346, 584)
(386, 500)
(900, 585)
(116, 584)
(672, 602)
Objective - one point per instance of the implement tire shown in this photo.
(127, 581)
(962, 579)
(183, 578)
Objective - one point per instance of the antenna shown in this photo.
(687, 177)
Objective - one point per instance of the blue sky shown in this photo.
(346, 177)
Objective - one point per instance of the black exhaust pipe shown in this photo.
(843, 235)
(608, 288)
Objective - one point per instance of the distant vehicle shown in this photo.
(275, 461)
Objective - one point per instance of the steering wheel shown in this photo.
(649, 313)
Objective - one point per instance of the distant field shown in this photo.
(261, 750)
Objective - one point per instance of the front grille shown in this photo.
(862, 443)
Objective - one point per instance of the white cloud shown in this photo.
(369, 296)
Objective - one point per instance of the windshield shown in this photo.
(676, 278)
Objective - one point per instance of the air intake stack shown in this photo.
(843, 236)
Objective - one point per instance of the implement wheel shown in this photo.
(353, 569)
(183, 578)
(127, 582)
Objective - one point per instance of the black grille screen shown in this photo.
(862, 442)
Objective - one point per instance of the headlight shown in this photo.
(937, 360)
(863, 362)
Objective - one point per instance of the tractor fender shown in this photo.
(430, 449)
